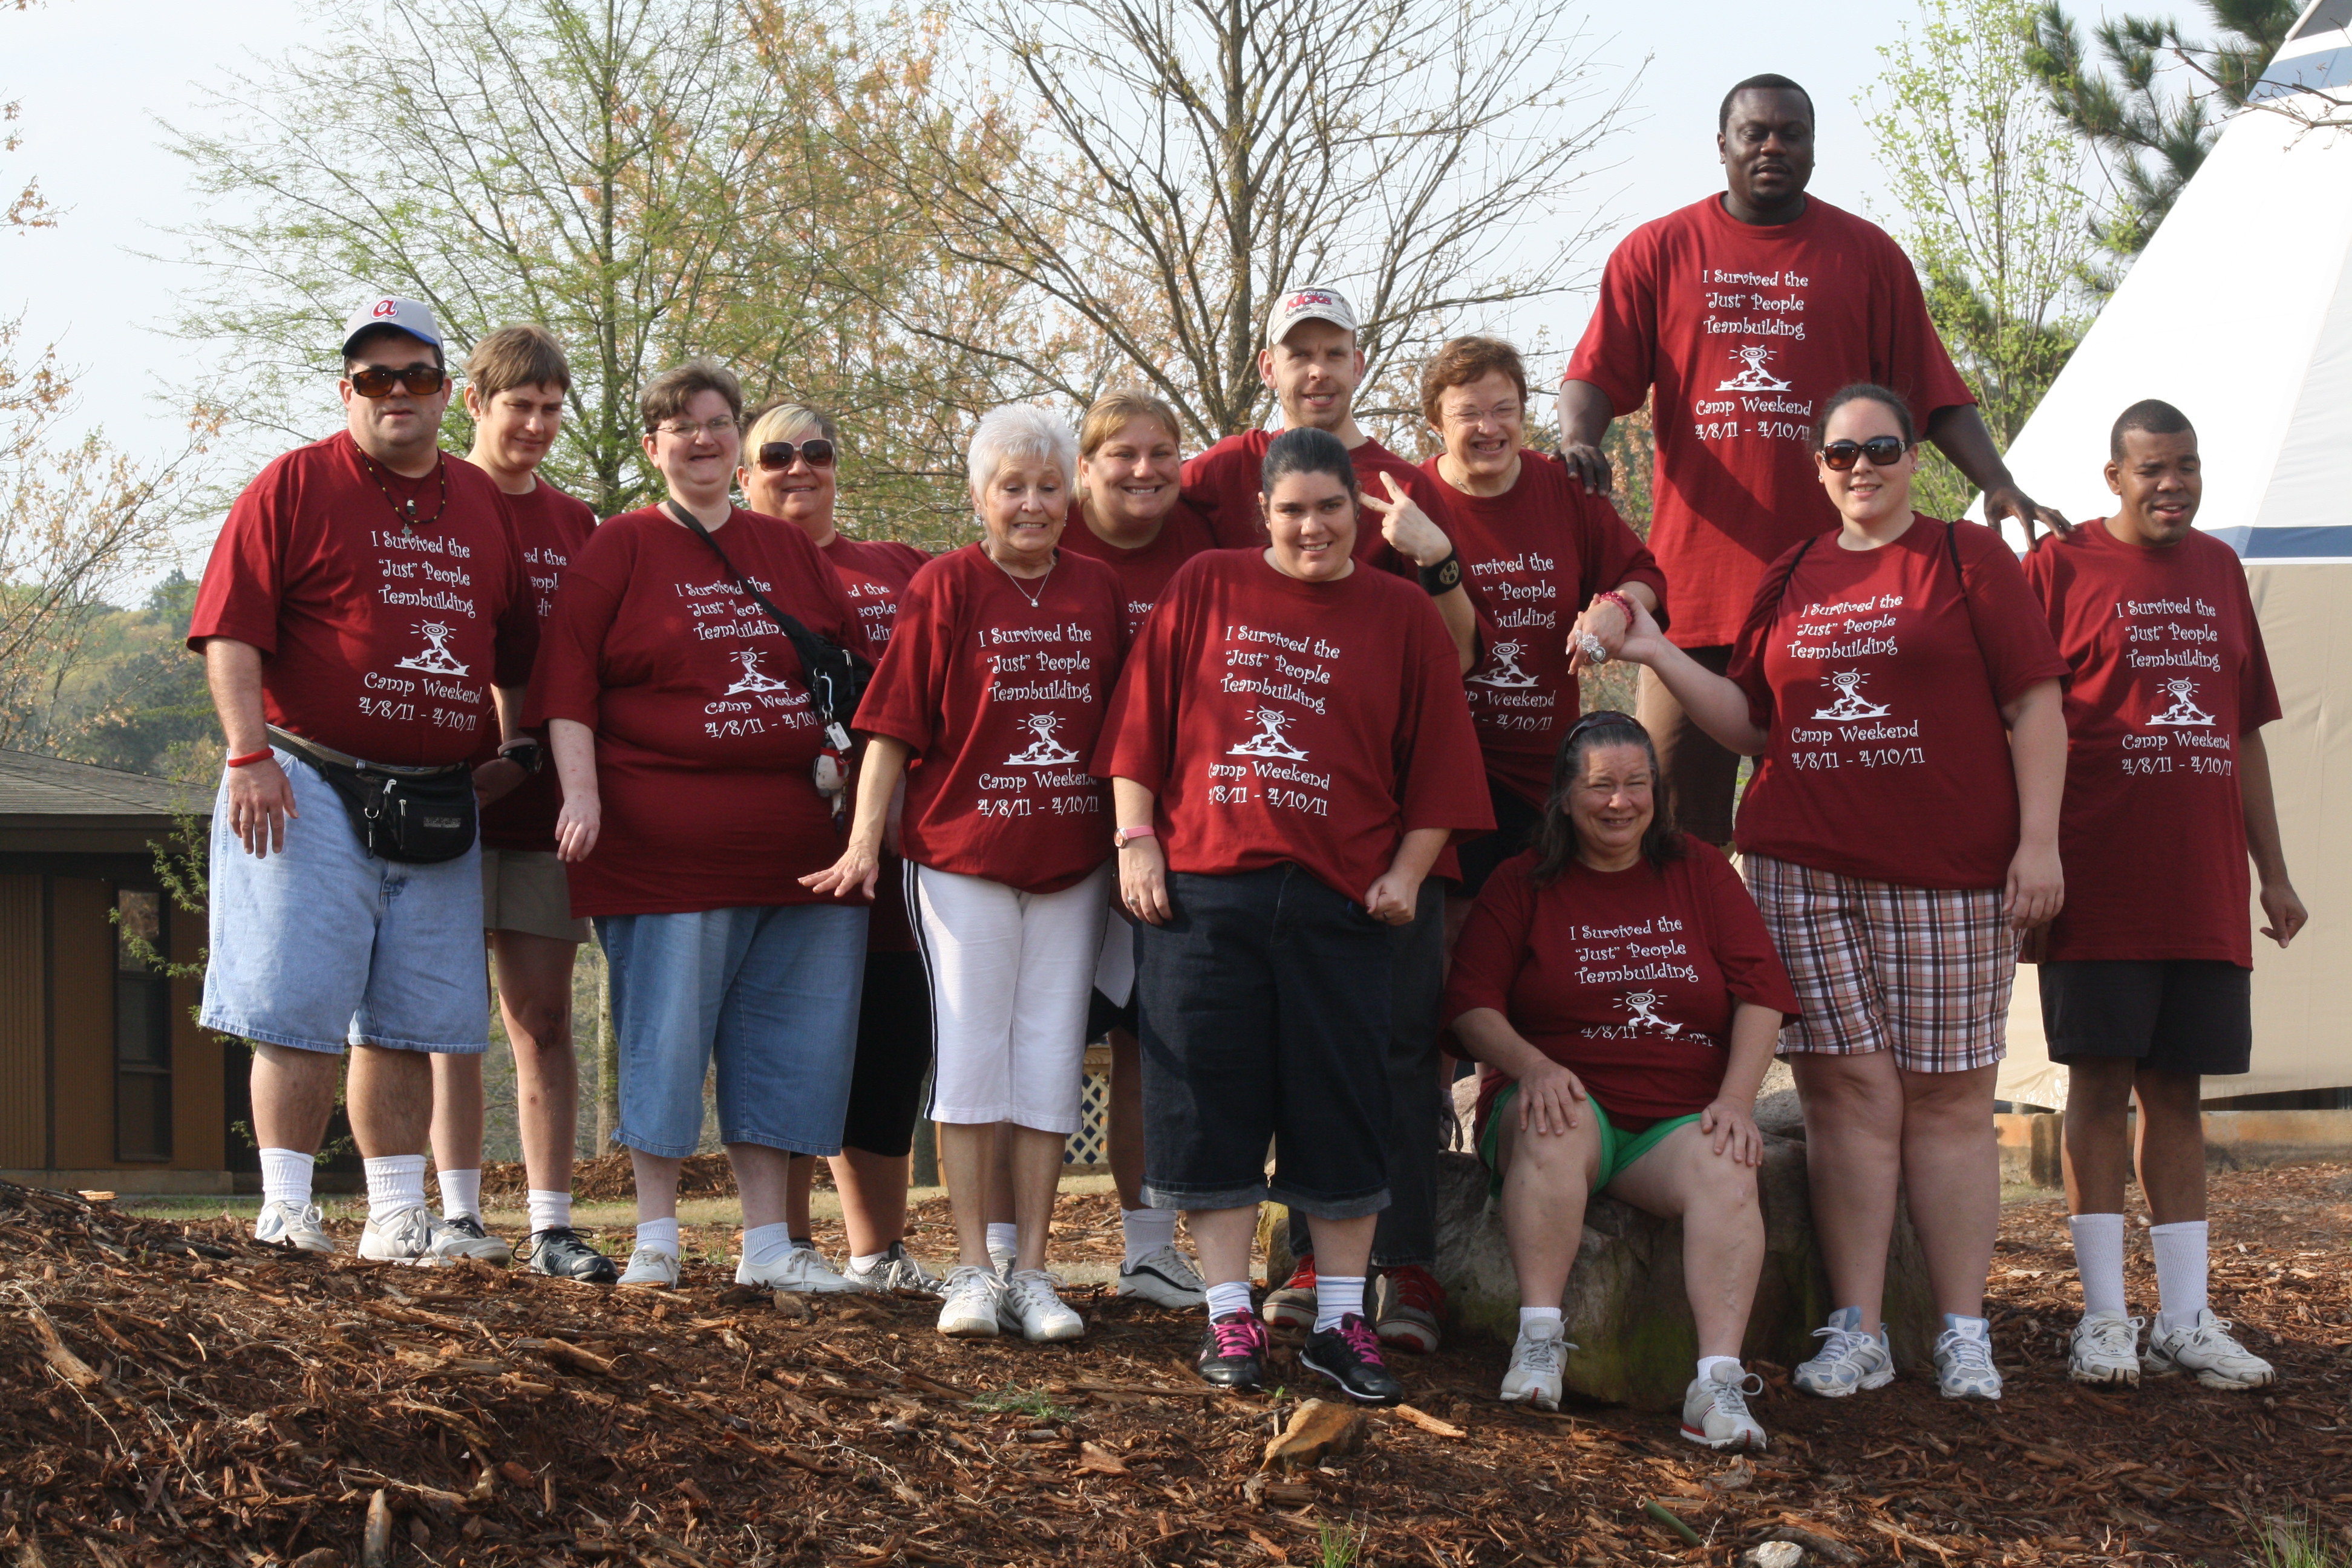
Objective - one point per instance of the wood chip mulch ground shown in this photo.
(172, 1394)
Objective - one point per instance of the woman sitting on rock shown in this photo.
(1618, 984)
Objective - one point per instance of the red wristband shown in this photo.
(249, 758)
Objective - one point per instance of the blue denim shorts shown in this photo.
(771, 993)
(323, 943)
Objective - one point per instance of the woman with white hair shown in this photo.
(994, 687)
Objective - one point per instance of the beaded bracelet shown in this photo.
(1624, 605)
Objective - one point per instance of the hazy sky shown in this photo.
(97, 77)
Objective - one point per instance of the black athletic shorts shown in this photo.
(894, 1056)
(2177, 1015)
(1515, 826)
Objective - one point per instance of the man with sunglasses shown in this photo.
(366, 606)
(1735, 316)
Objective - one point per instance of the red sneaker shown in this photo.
(1409, 1306)
(1293, 1305)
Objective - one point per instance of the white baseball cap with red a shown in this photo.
(411, 316)
(1314, 303)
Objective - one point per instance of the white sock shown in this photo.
(1968, 1328)
(1146, 1231)
(866, 1260)
(461, 1192)
(1708, 1363)
(1003, 1235)
(2099, 1259)
(660, 1234)
(1233, 1296)
(766, 1244)
(550, 1211)
(2180, 1272)
(285, 1177)
(1529, 1316)
(1335, 1298)
(394, 1182)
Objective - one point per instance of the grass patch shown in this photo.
(1015, 1400)
(2297, 1540)
(1339, 1546)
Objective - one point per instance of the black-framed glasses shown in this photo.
(777, 456)
(378, 380)
(1881, 450)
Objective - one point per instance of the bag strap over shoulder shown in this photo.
(836, 696)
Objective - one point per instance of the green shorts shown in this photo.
(1618, 1150)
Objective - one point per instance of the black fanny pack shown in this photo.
(417, 816)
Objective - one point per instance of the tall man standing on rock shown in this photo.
(2147, 982)
(367, 629)
(1737, 315)
(1312, 364)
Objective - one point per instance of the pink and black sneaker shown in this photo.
(1350, 1355)
(1233, 1352)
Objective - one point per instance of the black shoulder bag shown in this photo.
(837, 677)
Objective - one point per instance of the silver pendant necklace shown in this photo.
(1046, 576)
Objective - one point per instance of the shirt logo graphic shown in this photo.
(1850, 704)
(1643, 1006)
(1755, 378)
(1045, 751)
(1268, 741)
(754, 678)
(2184, 710)
(1502, 666)
(434, 658)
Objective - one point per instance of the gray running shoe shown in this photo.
(2104, 1350)
(1164, 1279)
(298, 1225)
(470, 1240)
(562, 1253)
(2207, 1350)
(897, 1271)
(1964, 1368)
(416, 1235)
(1849, 1360)
(1715, 1410)
(1534, 1375)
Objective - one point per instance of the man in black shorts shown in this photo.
(2145, 985)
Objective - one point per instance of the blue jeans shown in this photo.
(323, 943)
(771, 993)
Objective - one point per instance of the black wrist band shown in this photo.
(1444, 577)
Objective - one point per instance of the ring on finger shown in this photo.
(1593, 648)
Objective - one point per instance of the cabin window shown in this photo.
(143, 1028)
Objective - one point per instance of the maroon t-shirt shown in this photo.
(2170, 671)
(1629, 979)
(1280, 720)
(1878, 677)
(705, 734)
(875, 573)
(1222, 484)
(1533, 557)
(550, 527)
(1143, 572)
(378, 640)
(1000, 696)
(1738, 332)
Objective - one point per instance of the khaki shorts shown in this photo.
(527, 890)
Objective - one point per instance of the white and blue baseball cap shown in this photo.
(411, 316)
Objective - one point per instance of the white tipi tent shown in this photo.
(2239, 314)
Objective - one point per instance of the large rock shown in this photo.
(1625, 1307)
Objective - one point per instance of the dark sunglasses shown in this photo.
(1880, 449)
(377, 381)
(775, 456)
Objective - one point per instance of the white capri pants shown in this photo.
(1012, 974)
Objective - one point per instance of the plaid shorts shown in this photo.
(1922, 972)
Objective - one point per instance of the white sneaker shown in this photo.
(1964, 1368)
(1715, 1409)
(803, 1268)
(1534, 1374)
(651, 1268)
(466, 1237)
(896, 1271)
(1164, 1279)
(1030, 1305)
(289, 1223)
(970, 1306)
(415, 1235)
(2104, 1351)
(1848, 1362)
(2207, 1349)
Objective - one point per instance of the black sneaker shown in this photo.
(564, 1253)
(1233, 1352)
(1350, 1355)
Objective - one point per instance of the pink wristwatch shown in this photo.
(1126, 836)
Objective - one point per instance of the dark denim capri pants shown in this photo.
(1265, 1004)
